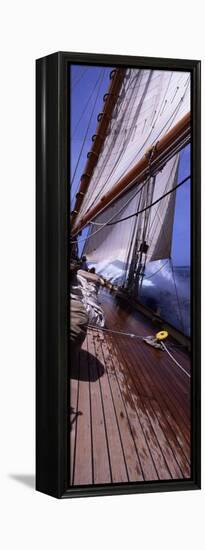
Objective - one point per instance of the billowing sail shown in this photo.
(150, 103)
(161, 216)
(110, 249)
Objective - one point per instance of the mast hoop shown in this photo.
(85, 175)
(107, 95)
(112, 73)
(80, 193)
(174, 140)
(90, 153)
(103, 115)
(104, 118)
(100, 136)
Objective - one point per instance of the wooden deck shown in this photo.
(130, 406)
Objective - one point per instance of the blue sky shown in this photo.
(85, 82)
(181, 229)
(88, 85)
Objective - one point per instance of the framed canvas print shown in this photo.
(118, 274)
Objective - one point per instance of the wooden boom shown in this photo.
(178, 135)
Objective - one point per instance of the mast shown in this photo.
(110, 98)
(155, 158)
(134, 167)
(137, 267)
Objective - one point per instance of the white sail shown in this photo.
(110, 249)
(161, 218)
(150, 103)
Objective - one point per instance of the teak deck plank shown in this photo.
(173, 442)
(136, 425)
(101, 465)
(83, 454)
(129, 450)
(73, 420)
(155, 368)
(146, 428)
(118, 466)
(130, 406)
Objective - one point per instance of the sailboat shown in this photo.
(130, 388)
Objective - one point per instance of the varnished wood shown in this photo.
(101, 458)
(141, 170)
(130, 405)
(100, 136)
(83, 453)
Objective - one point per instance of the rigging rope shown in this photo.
(86, 105)
(152, 224)
(109, 222)
(180, 316)
(161, 267)
(177, 296)
(122, 147)
(140, 338)
(132, 240)
(147, 207)
(88, 127)
(112, 217)
(116, 332)
(79, 79)
(175, 361)
(170, 120)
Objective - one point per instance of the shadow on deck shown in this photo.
(130, 406)
(95, 371)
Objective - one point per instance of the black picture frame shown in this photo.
(52, 318)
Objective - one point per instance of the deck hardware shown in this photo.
(152, 341)
(162, 335)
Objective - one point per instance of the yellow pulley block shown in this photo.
(162, 335)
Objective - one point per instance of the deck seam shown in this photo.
(181, 415)
(131, 432)
(115, 414)
(166, 405)
(76, 429)
(147, 443)
(91, 426)
(103, 410)
(177, 442)
(149, 422)
(173, 435)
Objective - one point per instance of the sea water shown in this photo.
(167, 293)
(165, 289)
